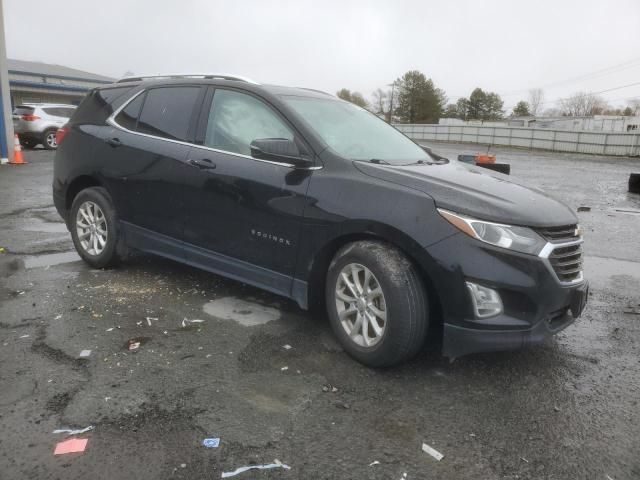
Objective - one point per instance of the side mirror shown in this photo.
(278, 150)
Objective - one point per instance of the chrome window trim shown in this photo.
(548, 249)
(111, 121)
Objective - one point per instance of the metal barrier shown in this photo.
(601, 143)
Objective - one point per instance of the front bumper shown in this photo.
(459, 341)
(536, 305)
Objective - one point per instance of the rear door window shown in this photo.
(53, 111)
(66, 112)
(167, 112)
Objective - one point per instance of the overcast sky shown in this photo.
(502, 46)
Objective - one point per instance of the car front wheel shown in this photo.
(94, 227)
(377, 303)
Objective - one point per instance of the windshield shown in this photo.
(355, 133)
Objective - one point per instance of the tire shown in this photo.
(106, 220)
(49, 139)
(403, 301)
(634, 183)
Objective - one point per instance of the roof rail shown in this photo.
(223, 76)
(317, 91)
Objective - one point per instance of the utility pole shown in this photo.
(6, 121)
(393, 86)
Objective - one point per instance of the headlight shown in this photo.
(520, 239)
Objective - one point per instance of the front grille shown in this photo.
(567, 262)
(566, 233)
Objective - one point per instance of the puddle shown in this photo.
(36, 261)
(600, 267)
(248, 314)
(46, 227)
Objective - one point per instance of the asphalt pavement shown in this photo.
(218, 359)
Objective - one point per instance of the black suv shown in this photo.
(299, 193)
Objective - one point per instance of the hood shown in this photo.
(477, 192)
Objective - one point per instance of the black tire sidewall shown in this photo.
(101, 197)
(390, 349)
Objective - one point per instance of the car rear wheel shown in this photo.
(94, 227)
(49, 140)
(377, 303)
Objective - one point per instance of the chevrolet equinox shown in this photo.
(304, 195)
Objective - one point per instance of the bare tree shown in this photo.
(552, 112)
(536, 100)
(635, 106)
(380, 105)
(581, 104)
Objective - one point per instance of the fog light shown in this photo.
(486, 301)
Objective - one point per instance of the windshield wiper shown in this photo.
(378, 161)
(422, 162)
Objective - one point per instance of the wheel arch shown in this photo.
(385, 234)
(76, 186)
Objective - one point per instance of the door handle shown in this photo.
(114, 142)
(204, 164)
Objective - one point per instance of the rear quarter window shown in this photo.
(23, 111)
(128, 116)
(99, 104)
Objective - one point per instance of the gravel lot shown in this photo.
(567, 410)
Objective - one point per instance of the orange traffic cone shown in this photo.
(18, 159)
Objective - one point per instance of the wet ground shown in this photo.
(212, 360)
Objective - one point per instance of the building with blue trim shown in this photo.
(36, 82)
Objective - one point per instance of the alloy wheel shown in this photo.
(361, 305)
(51, 140)
(91, 227)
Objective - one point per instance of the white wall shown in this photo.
(602, 143)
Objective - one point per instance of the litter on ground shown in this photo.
(287, 347)
(432, 451)
(186, 322)
(85, 353)
(74, 432)
(375, 462)
(73, 445)
(284, 368)
(276, 464)
(133, 345)
(211, 442)
(24, 336)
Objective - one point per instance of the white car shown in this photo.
(38, 123)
